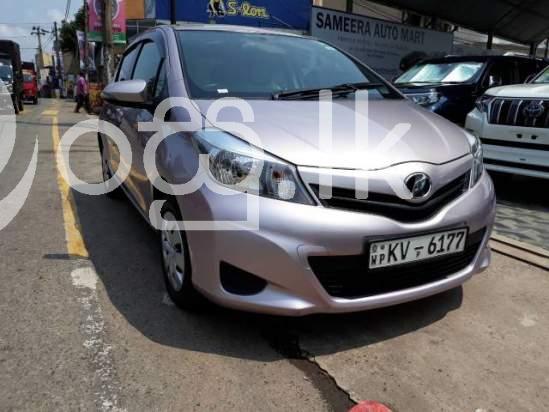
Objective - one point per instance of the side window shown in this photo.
(527, 68)
(147, 64)
(161, 82)
(126, 66)
(501, 73)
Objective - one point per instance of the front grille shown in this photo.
(511, 112)
(524, 166)
(515, 144)
(392, 206)
(349, 276)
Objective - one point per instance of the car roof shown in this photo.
(474, 58)
(232, 28)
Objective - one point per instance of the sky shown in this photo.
(19, 16)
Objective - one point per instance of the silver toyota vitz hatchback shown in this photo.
(322, 227)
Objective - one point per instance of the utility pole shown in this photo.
(107, 42)
(85, 57)
(173, 19)
(58, 58)
(38, 32)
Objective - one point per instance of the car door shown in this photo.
(115, 113)
(148, 67)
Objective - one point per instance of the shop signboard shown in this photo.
(285, 14)
(378, 43)
(95, 21)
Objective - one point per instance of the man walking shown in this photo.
(82, 98)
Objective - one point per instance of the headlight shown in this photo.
(483, 103)
(478, 164)
(425, 99)
(240, 166)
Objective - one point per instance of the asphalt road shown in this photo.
(86, 324)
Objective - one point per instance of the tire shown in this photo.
(107, 174)
(176, 263)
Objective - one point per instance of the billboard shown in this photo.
(286, 14)
(82, 52)
(95, 21)
(378, 43)
(135, 9)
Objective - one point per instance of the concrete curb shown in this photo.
(524, 252)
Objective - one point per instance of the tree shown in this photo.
(67, 33)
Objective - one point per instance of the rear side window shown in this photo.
(126, 66)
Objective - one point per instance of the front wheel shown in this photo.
(107, 174)
(176, 262)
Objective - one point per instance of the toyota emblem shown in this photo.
(534, 110)
(419, 185)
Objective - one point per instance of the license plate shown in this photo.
(413, 249)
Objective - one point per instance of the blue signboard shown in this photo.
(288, 14)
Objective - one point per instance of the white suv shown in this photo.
(513, 125)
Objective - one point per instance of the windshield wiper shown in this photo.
(340, 89)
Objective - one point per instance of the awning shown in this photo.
(519, 21)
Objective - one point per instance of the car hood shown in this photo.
(398, 131)
(528, 90)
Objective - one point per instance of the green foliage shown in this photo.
(67, 33)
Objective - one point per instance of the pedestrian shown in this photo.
(82, 96)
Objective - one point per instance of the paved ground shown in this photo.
(523, 209)
(97, 332)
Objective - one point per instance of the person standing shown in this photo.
(82, 97)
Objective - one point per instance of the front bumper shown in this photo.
(29, 94)
(289, 233)
(512, 149)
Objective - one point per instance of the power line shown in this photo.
(21, 23)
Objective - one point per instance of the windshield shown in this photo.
(28, 78)
(255, 65)
(5, 73)
(457, 72)
(543, 77)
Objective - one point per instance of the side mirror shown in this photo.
(133, 92)
(529, 78)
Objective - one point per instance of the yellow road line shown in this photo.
(75, 242)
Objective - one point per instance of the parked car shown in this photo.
(513, 124)
(30, 82)
(311, 253)
(30, 87)
(450, 85)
